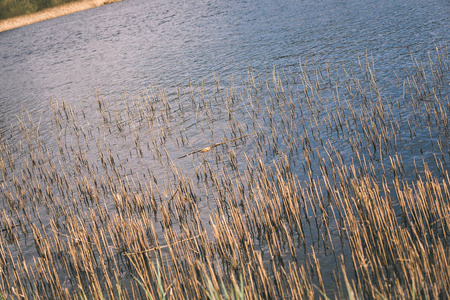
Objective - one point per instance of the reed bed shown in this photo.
(318, 182)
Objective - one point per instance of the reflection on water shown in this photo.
(145, 124)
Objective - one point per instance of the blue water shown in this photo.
(140, 43)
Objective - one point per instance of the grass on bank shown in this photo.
(14, 8)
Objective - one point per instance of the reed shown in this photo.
(290, 184)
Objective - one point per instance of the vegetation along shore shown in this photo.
(14, 14)
(244, 190)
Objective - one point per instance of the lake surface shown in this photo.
(115, 55)
(140, 43)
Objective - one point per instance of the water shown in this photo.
(131, 45)
(137, 43)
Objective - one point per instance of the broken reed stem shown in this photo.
(207, 149)
(164, 246)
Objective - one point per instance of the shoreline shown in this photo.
(50, 13)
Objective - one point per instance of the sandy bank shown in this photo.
(50, 13)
